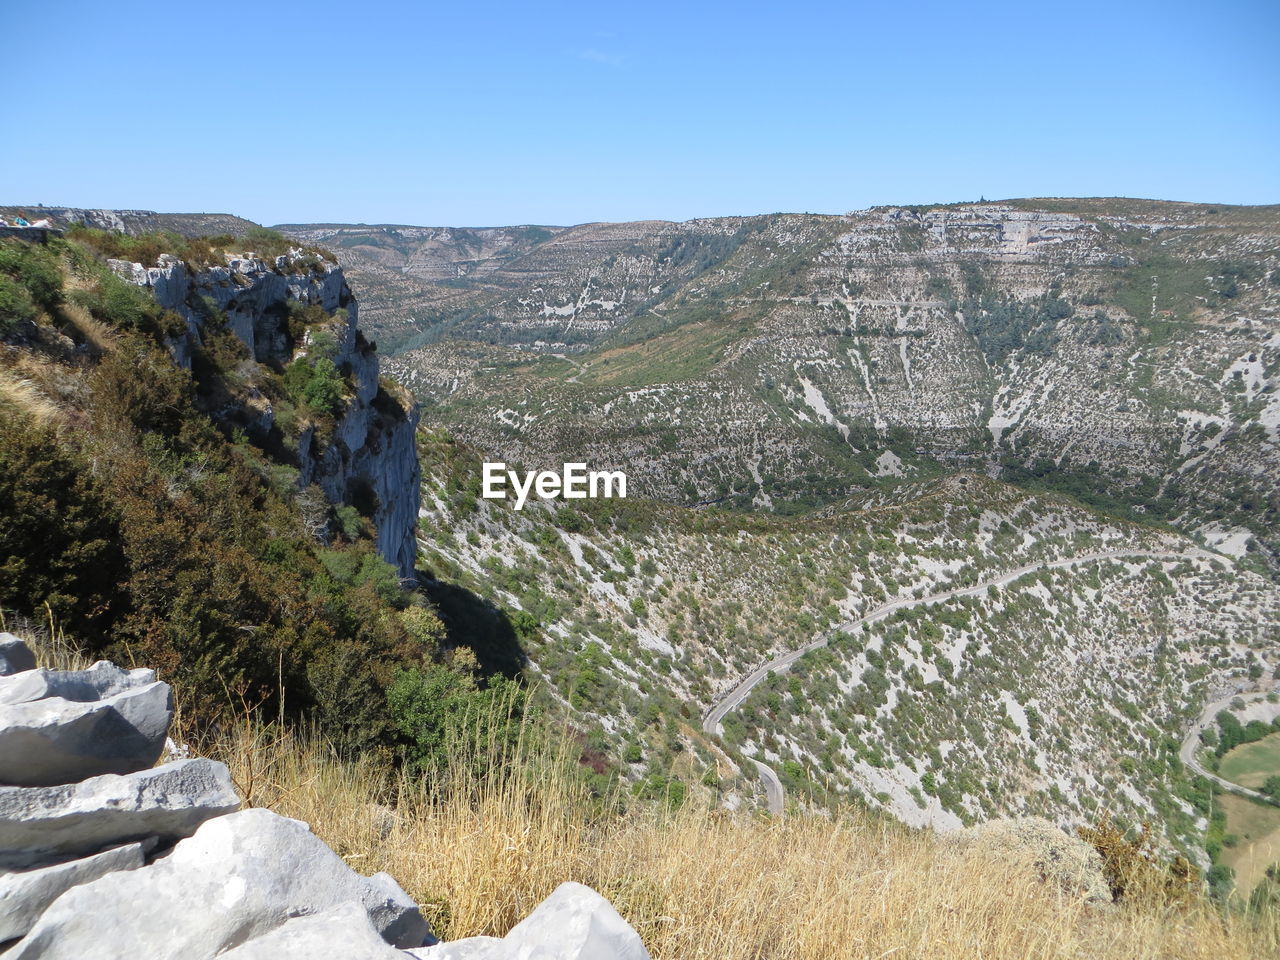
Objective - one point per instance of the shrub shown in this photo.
(16, 305)
(437, 710)
(267, 243)
(35, 268)
(1134, 869)
(317, 385)
(59, 536)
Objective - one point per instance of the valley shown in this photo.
(1018, 459)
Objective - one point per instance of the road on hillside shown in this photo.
(1187, 753)
(714, 718)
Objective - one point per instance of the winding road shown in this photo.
(714, 718)
(1191, 743)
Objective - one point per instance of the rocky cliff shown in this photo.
(369, 454)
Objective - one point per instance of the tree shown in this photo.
(59, 537)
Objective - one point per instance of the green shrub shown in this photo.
(16, 305)
(35, 268)
(435, 709)
(317, 385)
(59, 536)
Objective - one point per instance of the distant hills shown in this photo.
(1124, 351)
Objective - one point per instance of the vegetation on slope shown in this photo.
(137, 515)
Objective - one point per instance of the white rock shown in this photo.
(25, 895)
(341, 932)
(237, 878)
(55, 740)
(466, 949)
(574, 923)
(40, 824)
(15, 656)
(469, 948)
(103, 679)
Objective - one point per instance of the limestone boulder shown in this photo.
(574, 923)
(15, 656)
(104, 679)
(238, 878)
(43, 824)
(468, 948)
(343, 931)
(25, 894)
(50, 741)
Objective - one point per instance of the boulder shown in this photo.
(239, 877)
(574, 923)
(1064, 860)
(25, 895)
(343, 931)
(42, 824)
(56, 740)
(104, 679)
(468, 948)
(15, 656)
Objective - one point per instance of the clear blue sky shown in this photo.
(493, 113)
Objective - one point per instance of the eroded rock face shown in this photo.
(56, 740)
(371, 455)
(41, 824)
(239, 877)
(15, 656)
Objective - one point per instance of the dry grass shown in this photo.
(100, 337)
(702, 883)
(29, 399)
(52, 647)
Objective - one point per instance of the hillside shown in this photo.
(845, 400)
(824, 511)
(200, 466)
(1123, 351)
(1062, 692)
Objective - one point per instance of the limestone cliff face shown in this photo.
(370, 455)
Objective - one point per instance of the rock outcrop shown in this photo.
(14, 655)
(239, 877)
(40, 824)
(370, 456)
(26, 894)
(56, 727)
(160, 863)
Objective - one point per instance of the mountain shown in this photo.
(920, 519)
(1124, 351)
(952, 469)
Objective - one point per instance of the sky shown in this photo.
(466, 114)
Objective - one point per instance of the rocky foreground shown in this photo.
(105, 855)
